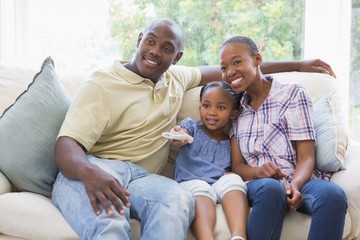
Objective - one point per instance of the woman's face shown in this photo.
(238, 66)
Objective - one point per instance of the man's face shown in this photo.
(158, 48)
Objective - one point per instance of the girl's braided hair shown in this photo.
(235, 96)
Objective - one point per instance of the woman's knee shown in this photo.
(336, 196)
(269, 186)
(267, 190)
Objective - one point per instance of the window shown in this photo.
(74, 33)
(277, 29)
(85, 34)
(81, 34)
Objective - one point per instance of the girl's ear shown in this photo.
(234, 114)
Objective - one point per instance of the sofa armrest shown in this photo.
(5, 185)
(349, 180)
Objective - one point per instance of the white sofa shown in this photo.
(26, 215)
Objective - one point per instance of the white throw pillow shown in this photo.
(28, 132)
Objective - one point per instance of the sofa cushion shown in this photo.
(32, 216)
(327, 158)
(28, 132)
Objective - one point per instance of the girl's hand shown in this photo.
(179, 142)
(294, 198)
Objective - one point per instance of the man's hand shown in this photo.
(294, 198)
(270, 170)
(316, 65)
(103, 188)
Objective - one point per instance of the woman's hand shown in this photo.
(294, 198)
(316, 65)
(270, 170)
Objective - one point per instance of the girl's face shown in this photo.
(216, 109)
(238, 66)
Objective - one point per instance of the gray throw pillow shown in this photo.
(29, 128)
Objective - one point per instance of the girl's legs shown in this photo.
(267, 198)
(326, 202)
(205, 214)
(205, 217)
(231, 191)
(236, 209)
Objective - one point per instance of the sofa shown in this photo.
(26, 211)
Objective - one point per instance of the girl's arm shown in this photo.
(239, 166)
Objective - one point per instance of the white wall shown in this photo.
(328, 35)
(13, 34)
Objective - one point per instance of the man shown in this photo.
(110, 142)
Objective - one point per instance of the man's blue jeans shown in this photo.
(324, 201)
(163, 207)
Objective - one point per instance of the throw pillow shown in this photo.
(326, 127)
(29, 128)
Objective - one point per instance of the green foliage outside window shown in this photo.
(275, 25)
(355, 31)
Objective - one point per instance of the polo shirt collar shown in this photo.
(134, 78)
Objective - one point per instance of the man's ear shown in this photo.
(177, 58)
(139, 39)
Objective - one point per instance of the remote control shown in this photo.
(178, 136)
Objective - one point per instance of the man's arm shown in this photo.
(213, 73)
(100, 186)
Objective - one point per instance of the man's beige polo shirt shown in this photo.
(119, 115)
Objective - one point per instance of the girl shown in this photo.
(203, 166)
(273, 148)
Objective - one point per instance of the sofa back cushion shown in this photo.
(13, 81)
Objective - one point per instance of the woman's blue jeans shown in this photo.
(326, 202)
(164, 209)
